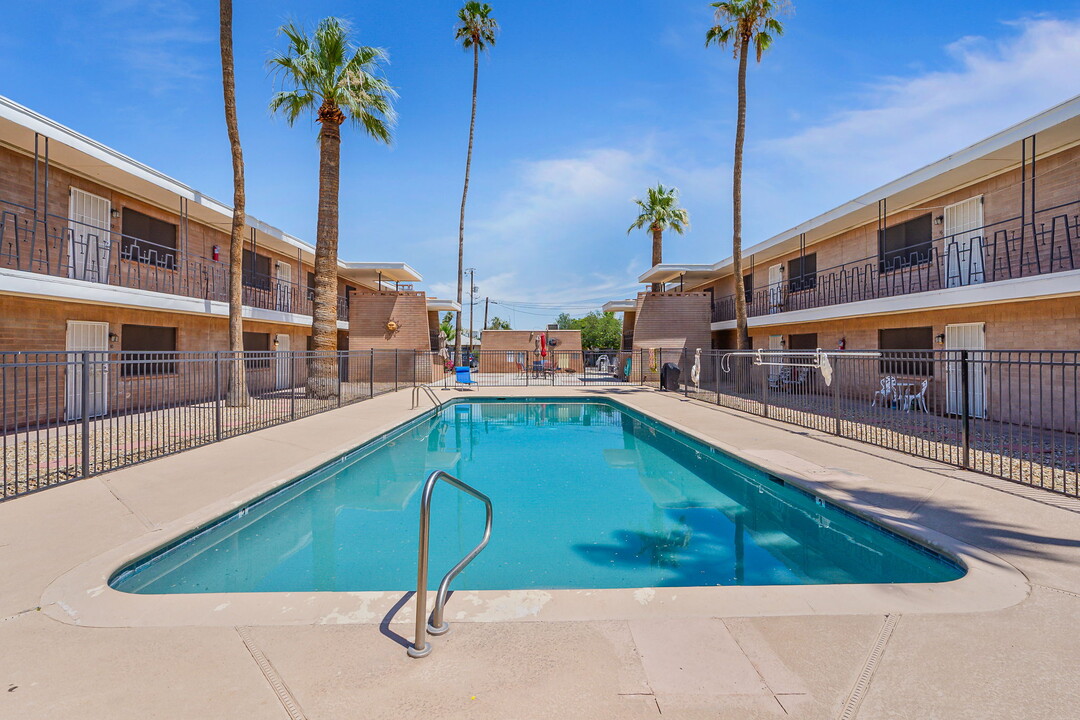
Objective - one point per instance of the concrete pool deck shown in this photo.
(1003, 646)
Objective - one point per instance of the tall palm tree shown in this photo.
(327, 75)
(743, 23)
(237, 394)
(660, 211)
(476, 31)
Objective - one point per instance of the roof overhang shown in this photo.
(438, 305)
(620, 306)
(111, 168)
(1057, 128)
(374, 271)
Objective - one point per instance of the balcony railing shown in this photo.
(1005, 250)
(64, 247)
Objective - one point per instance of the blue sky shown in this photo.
(582, 106)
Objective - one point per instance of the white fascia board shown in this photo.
(618, 306)
(48, 287)
(439, 305)
(1039, 287)
(666, 272)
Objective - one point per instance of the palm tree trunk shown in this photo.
(741, 336)
(465, 194)
(322, 379)
(657, 253)
(237, 394)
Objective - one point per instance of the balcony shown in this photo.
(62, 247)
(1005, 250)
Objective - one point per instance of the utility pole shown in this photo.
(472, 302)
(486, 301)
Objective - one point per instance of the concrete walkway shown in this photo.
(1022, 661)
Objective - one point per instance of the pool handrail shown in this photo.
(420, 647)
(430, 393)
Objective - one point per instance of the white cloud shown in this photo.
(907, 122)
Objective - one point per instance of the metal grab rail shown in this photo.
(430, 393)
(420, 647)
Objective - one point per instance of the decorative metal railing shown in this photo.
(65, 247)
(1005, 250)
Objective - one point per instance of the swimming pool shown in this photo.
(587, 494)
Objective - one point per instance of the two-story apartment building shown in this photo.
(980, 249)
(100, 253)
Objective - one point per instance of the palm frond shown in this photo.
(476, 28)
(660, 210)
(325, 68)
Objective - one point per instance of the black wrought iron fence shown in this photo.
(530, 368)
(69, 415)
(1014, 414)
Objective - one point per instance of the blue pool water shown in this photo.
(586, 495)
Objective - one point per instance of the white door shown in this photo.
(92, 337)
(284, 293)
(90, 238)
(964, 243)
(970, 337)
(284, 343)
(776, 288)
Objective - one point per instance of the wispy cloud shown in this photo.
(905, 122)
(158, 47)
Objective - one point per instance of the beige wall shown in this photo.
(672, 320)
(369, 313)
(500, 348)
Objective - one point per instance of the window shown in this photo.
(257, 343)
(905, 244)
(155, 346)
(349, 290)
(905, 360)
(148, 240)
(803, 341)
(802, 273)
(311, 286)
(748, 287)
(256, 270)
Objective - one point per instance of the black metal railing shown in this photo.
(64, 247)
(69, 415)
(1013, 414)
(1048, 242)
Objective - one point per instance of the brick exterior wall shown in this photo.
(1057, 184)
(40, 326)
(500, 349)
(369, 312)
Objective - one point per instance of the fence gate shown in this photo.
(93, 337)
(971, 337)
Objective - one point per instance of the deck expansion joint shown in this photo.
(862, 684)
(271, 674)
(1057, 590)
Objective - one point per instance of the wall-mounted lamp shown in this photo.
(115, 213)
(276, 342)
(940, 338)
(783, 343)
(113, 337)
(939, 219)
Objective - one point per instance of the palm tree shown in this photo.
(742, 23)
(660, 211)
(337, 81)
(476, 30)
(237, 394)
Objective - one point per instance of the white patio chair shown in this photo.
(888, 388)
(918, 398)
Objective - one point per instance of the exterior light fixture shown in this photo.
(114, 213)
(940, 338)
(113, 337)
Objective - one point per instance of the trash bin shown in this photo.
(669, 377)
